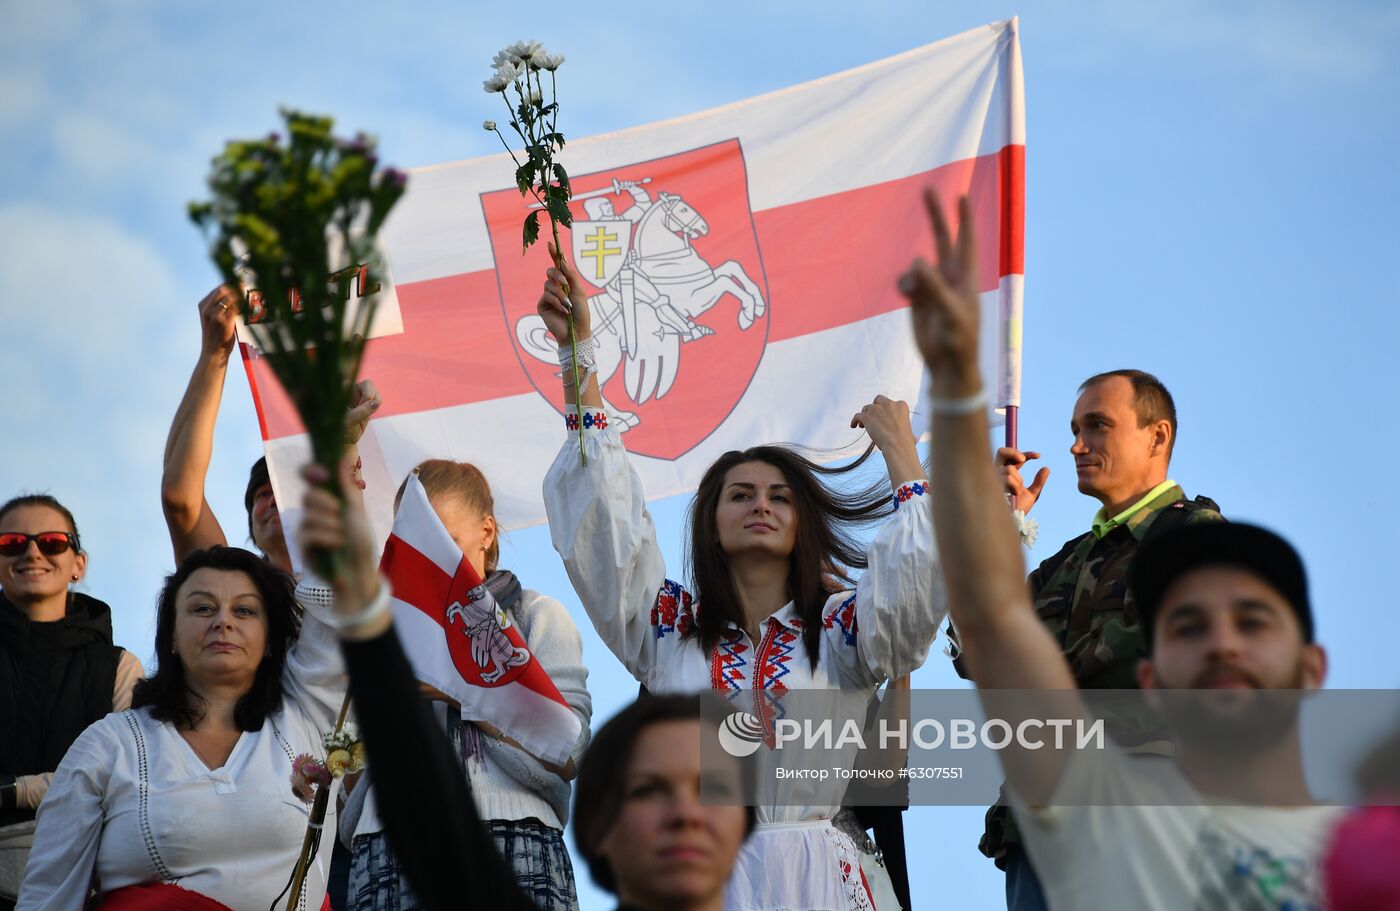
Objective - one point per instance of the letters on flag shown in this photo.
(462, 643)
(740, 265)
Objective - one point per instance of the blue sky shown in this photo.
(1211, 190)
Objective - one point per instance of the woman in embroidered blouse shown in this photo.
(770, 561)
(185, 800)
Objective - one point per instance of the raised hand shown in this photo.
(563, 294)
(944, 303)
(887, 422)
(1022, 497)
(218, 321)
(329, 524)
(364, 402)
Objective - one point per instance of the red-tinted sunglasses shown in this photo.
(51, 543)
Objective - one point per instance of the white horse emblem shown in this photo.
(653, 284)
(484, 623)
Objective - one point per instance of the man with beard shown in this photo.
(1225, 614)
(1124, 427)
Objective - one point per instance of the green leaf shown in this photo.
(525, 176)
(532, 229)
(563, 177)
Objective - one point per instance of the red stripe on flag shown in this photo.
(1013, 210)
(416, 580)
(829, 261)
(833, 261)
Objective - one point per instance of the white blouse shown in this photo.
(132, 803)
(600, 526)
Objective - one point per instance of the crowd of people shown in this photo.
(121, 790)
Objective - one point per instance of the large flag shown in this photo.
(741, 266)
(461, 642)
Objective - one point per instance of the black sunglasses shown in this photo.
(51, 543)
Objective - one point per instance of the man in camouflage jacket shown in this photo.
(1124, 427)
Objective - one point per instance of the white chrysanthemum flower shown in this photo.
(489, 126)
(504, 57)
(524, 50)
(549, 62)
(497, 83)
(1028, 527)
(510, 71)
(535, 97)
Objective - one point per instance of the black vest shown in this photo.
(55, 680)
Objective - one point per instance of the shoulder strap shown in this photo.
(1178, 514)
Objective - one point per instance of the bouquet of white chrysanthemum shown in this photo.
(520, 68)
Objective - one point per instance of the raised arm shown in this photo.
(188, 448)
(900, 599)
(1003, 641)
(598, 520)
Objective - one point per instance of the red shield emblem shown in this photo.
(679, 301)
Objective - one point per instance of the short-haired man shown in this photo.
(1124, 427)
(1222, 606)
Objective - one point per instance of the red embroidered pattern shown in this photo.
(727, 664)
(845, 617)
(671, 612)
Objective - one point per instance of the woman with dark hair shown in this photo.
(656, 827)
(772, 563)
(59, 671)
(184, 800)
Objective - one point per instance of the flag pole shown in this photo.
(1011, 412)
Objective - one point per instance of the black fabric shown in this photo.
(424, 801)
(55, 679)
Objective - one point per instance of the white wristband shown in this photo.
(378, 605)
(587, 359)
(969, 404)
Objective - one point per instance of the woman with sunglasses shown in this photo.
(59, 670)
(772, 560)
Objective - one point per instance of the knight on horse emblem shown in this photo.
(651, 285)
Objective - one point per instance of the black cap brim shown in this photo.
(1163, 560)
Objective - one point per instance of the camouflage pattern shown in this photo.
(1081, 595)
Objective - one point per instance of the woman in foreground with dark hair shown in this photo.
(184, 801)
(771, 561)
(639, 817)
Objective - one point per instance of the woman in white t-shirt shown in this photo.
(184, 800)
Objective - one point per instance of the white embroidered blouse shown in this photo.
(600, 526)
(132, 803)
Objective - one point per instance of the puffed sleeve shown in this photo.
(314, 677)
(884, 628)
(69, 827)
(600, 526)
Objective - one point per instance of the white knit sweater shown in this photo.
(508, 783)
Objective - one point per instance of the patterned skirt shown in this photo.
(535, 852)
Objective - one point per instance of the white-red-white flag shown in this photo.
(741, 265)
(461, 642)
